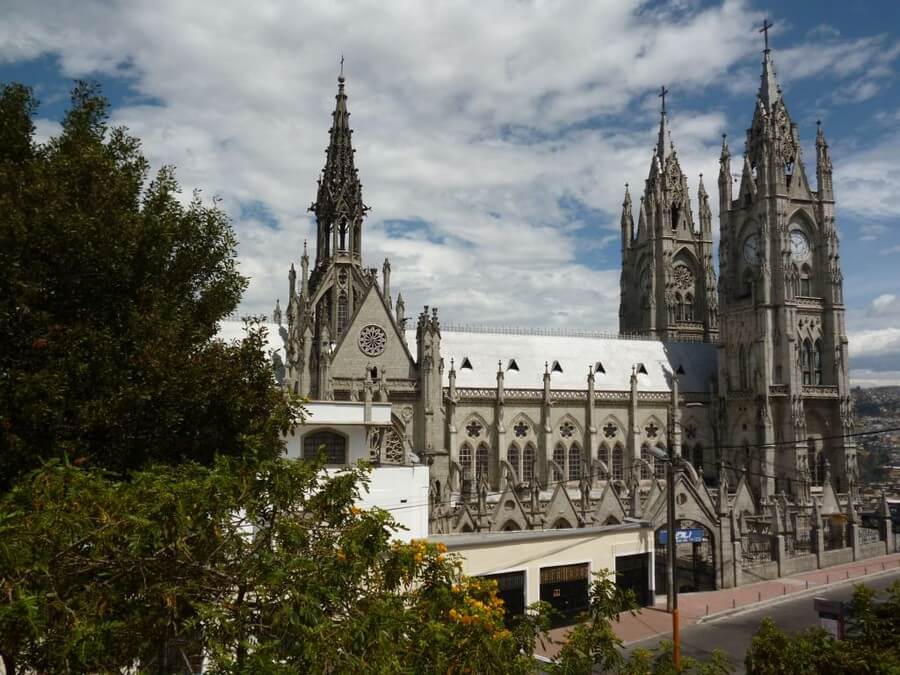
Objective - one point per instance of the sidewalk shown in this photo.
(694, 607)
(697, 607)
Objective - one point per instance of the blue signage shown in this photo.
(693, 535)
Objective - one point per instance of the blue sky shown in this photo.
(493, 139)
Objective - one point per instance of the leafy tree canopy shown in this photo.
(872, 643)
(262, 568)
(111, 287)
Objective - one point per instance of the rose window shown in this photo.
(684, 278)
(566, 429)
(609, 430)
(372, 339)
(521, 429)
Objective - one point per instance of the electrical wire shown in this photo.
(741, 470)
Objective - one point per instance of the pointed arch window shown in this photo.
(812, 462)
(688, 307)
(481, 461)
(603, 456)
(574, 462)
(618, 463)
(659, 466)
(343, 311)
(817, 362)
(559, 456)
(747, 283)
(342, 235)
(805, 286)
(512, 456)
(806, 361)
(647, 457)
(465, 457)
(679, 307)
(697, 458)
(528, 463)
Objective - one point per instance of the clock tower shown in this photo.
(784, 401)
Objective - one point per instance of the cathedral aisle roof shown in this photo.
(574, 354)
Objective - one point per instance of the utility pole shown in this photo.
(672, 599)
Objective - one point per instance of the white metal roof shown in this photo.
(574, 354)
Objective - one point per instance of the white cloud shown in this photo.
(872, 231)
(477, 119)
(866, 377)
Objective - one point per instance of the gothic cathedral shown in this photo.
(743, 376)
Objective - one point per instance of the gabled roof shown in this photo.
(575, 356)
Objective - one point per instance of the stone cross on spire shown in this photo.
(664, 145)
(765, 31)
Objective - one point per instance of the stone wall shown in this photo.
(800, 563)
(750, 574)
(837, 557)
(871, 550)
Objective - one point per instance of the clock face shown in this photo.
(799, 244)
(751, 249)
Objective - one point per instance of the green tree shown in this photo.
(265, 568)
(871, 644)
(111, 288)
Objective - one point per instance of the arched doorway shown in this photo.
(695, 557)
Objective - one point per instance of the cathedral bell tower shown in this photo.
(318, 315)
(668, 283)
(785, 401)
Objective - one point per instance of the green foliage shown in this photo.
(661, 662)
(265, 568)
(111, 287)
(872, 643)
(592, 643)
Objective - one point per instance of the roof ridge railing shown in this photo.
(561, 332)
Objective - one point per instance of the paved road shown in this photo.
(732, 634)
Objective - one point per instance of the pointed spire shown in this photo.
(339, 198)
(401, 310)
(701, 190)
(304, 266)
(769, 91)
(664, 143)
(725, 155)
(627, 222)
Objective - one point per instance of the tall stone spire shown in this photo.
(664, 143)
(339, 207)
(769, 91)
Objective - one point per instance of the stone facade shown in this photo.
(746, 382)
(668, 283)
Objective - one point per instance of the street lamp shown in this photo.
(672, 463)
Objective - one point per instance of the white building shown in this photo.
(347, 430)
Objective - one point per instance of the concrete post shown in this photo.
(853, 537)
(780, 553)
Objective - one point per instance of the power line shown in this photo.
(736, 469)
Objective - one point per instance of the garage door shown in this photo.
(510, 589)
(633, 571)
(565, 588)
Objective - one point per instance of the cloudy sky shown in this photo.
(493, 138)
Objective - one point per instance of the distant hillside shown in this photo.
(877, 401)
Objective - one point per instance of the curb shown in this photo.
(777, 600)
